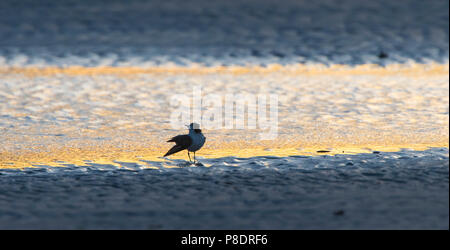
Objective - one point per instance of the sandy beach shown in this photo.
(86, 92)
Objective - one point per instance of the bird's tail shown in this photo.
(174, 149)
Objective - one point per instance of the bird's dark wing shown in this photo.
(182, 142)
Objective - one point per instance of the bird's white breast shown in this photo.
(197, 141)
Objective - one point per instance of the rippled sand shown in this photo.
(257, 32)
(399, 190)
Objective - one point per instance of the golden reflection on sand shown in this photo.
(301, 69)
(54, 116)
(144, 156)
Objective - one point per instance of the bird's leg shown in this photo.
(194, 156)
(189, 156)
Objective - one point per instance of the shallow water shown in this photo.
(401, 190)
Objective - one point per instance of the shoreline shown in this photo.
(144, 157)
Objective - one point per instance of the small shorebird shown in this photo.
(192, 141)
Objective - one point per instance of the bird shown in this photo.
(192, 141)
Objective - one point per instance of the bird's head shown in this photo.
(194, 127)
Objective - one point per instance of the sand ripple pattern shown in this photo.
(211, 33)
(401, 190)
